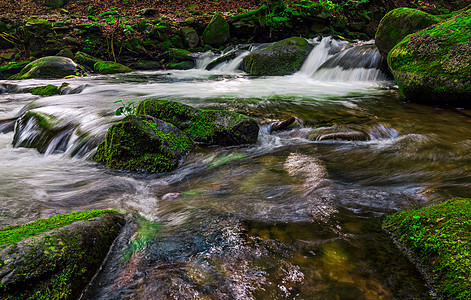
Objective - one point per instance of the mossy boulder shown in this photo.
(282, 58)
(12, 69)
(86, 60)
(439, 239)
(434, 65)
(110, 67)
(146, 65)
(55, 258)
(50, 67)
(43, 132)
(184, 65)
(217, 32)
(209, 127)
(46, 90)
(399, 23)
(143, 144)
(190, 36)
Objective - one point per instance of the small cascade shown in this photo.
(320, 53)
(229, 60)
(232, 65)
(382, 131)
(43, 132)
(360, 63)
(204, 59)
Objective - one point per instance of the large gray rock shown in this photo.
(50, 67)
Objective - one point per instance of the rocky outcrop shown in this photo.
(50, 67)
(399, 23)
(143, 144)
(434, 65)
(282, 58)
(209, 127)
(55, 258)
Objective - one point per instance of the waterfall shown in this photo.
(360, 63)
(204, 59)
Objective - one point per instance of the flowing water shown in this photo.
(296, 216)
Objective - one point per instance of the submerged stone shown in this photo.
(282, 58)
(143, 144)
(209, 127)
(50, 67)
(434, 65)
(55, 258)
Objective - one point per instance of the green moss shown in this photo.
(10, 235)
(59, 255)
(110, 67)
(45, 121)
(217, 32)
(212, 127)
(398, 23)
(85, 59)
(140, 144)
(282, 58)
(440, 238)
(435, 63)
(12, 69)
(47, 90)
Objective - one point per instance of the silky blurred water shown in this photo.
(295, 216)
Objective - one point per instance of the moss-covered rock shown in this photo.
(86, 60)
(12, 69)
(38, 130)
(55, 258)
(143, 144)
(46, 90)
(110, 67)
(282, 58)
(439, 238)
(209, 127)
(434, 65)
(50, 67)
(146, 65)
(184, 65)
(399, 23)
(217, 32)
(190, 36)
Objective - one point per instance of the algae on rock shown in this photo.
(217, 32)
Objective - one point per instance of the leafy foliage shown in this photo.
(126, 109)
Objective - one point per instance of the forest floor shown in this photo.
(179, 10)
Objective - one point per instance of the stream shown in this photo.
(296, 216)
